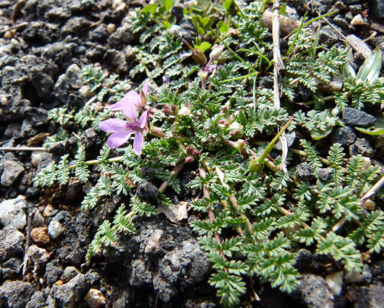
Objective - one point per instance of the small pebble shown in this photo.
(37, 157)
(111, 28)
(9, 34)
(357, 21)
(369, 205)
(367, 162)
(4, 101)
(95, 298)
(55, 229)
(70, 272)
(116, 3)
(49, 211)
(335, 282)
(40, 236)
(38, 255)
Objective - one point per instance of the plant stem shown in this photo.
(96, 161)
(238, 78)
(174, 171)
(234, 53)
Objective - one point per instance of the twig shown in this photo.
(23, 24)
(373, 190)
(22, 149)
(342, 36)
(26, 254)
(277, 66)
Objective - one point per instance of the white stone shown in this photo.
(55, 229)
(68, 272)
(12, 212)
(357, 21)
(38, 255)
(95, 298)
(335, 282)
(111, 28)
(353, 277)
(37, 157)
(50, 211)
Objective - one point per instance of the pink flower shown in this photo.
(122, 130)
(139, 100)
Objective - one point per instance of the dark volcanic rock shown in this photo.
(315, 292)
(11, 268)
(376, 7)
(71, 293)
(16, 294)
(12, 170)
(42, 82)
(147, 191)
(75, 241)
(343, 135)
(53, 272)
(356, 117)
(121, 37)
(361, 146)
(324, 173)
(369, 297)
(304, 171)
(100, 34)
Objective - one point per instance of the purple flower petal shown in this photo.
(138, 143)
(118, 139)
(143, 119)
(116, 106)
(113, 125)
(145, 88)
(129, 110)
(132, 97)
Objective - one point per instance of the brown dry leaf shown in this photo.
(38, 139)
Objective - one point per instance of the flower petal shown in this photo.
(145, 88)
(138, 143)
(143, 119)
(132, 97)
(129, 110)
(113, 125)
(116, 106)
(118, 139)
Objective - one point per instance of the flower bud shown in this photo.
(240, 144)
(216, 53)
(189, 150)
(199, 56)
(190, 159)
(196, 153)
(184, 111)
(236, 129)
(203, 75)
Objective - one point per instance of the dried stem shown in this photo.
(277, 66)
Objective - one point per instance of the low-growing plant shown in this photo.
(256, 215)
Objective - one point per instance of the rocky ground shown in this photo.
(44, 44)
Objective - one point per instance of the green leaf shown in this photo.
(168, 5)
(204, 46)
(376, 129)
(153, 8)
(227, 4)
(201, 31)
(224, 28)
(371, 67)
(167, 25)
(282, 9)
(348, 71)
